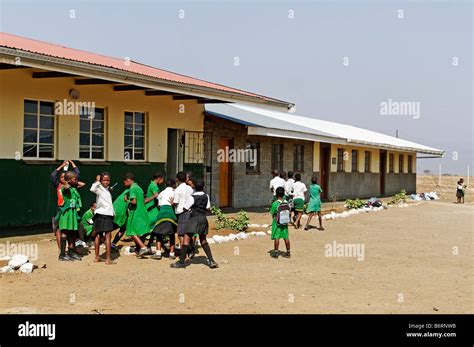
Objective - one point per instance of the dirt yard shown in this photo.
(415, 260)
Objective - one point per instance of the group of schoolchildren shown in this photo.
(288, 205)
(157, 216)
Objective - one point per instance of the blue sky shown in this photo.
(297, 59)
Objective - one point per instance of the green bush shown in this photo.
(238, 223)
(398, 198)
(357, 203)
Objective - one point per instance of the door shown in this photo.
(225, 174)
(325, 161)
(175, 152)
(382, 170)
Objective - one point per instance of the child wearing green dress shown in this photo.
(279, 231)
(314, 205)
(150, 200)
(120, 218)
(87, 221)
(138, 223)
(68, 217)
(299, 190)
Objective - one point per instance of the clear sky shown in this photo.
(404, 51)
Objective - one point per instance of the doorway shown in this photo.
(382, 170)
(175, 152)
(325, 167)
(225, 174)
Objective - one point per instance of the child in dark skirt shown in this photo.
(167, 222)
(197, 224)
(103, 216)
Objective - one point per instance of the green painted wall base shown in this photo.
(28, 197)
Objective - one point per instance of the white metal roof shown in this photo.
(261, 121)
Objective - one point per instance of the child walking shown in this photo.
(167, 222)
(68, 216)
(314, 206)
(104, 215)
(120, 218)
(137, 221)
(182, 194)
(150, 200)
(460, 191)
(280, 212)
(299, 190)
(197, 224)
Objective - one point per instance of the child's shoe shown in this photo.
(213, 264)
(142, 252)
(172, 256)
(178, 265)
(286, 254)
(156, 256)
(275, 254)
(65, 258)
(73, 255)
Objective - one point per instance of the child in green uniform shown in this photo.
(68, 216)
(87, 222)
(150, 200)
(314, 205)
(120, 218)
(279, 231)
(138, 223)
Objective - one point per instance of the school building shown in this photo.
(118, 115)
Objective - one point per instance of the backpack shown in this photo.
(283, 214)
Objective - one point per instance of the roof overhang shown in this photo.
(263, 122)
(50, 63)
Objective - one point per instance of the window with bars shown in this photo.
(92, 134)
(298, 158)
(355, 160)
(410, 164)
(277, 157)
(401, 163)
(340, 159)
(38, 129)
(134, 141)
(390, 163)
(254, 165)
(367, 158)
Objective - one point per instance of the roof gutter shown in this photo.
(410, 149)
(36, 60)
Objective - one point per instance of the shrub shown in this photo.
(399, 197)
(357, 203)
(238, 223)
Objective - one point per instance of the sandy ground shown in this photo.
(408, 267)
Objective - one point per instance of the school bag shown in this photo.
(283, 213)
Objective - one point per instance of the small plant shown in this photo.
(357, 203)
(399, 197)
(238, 223)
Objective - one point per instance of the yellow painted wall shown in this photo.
(162, 113)
(316, 156)
(374, 164)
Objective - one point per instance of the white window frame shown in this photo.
(90, 134)
(55, 130)
(145, 137)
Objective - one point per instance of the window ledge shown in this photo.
(130, 162)
(40, 161)
(93, 162)
(253, 173)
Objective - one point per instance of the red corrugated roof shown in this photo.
(49, 49)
